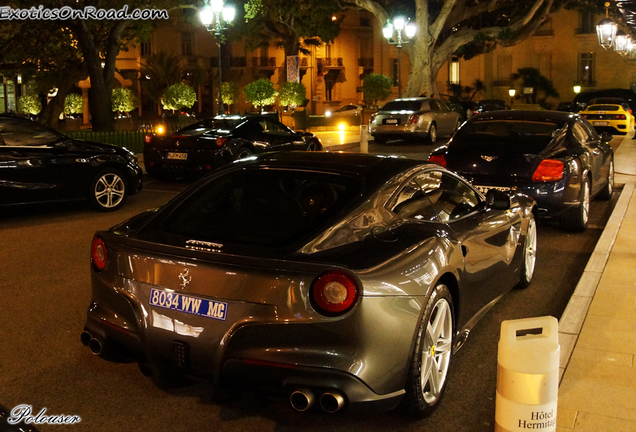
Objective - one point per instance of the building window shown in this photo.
(186, 43)
(144, 49)
(587, 22)
(329, 87)
(453, 70)
(586, 68)
(544, 64)
(394, 71)
(504, 67)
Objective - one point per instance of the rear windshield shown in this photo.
(530, 136)
(265, 207)
(603, 108)
(403, 105)
(226, 124)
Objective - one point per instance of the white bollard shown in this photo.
(528, 375)
(364, 139)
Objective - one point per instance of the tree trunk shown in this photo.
(51, 113)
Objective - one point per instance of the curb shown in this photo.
(575, 313)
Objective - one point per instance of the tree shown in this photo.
(542, 87)
(376, 87)
(123, 100)
(29, 105)
(229, 93)
(178, 96)
(457, 27)
(292, 94)
(160, 72)
(292, 25)
(73, 104)
(260, 93)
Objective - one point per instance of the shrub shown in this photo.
(123, 100)
(178, 96)
(292, 94)
(73, 104)
(260, 93)
(229, 92)
(376, 87)
(29, 105)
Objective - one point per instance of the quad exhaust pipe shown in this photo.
(94, 343)
(302, 399)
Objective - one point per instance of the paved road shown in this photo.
(45, 289)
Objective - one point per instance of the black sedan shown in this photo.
(213, 142)
(555, 157)
(40, 165)
(338, 279)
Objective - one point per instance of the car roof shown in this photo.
(536, 115)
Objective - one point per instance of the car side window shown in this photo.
(20, 133)
(412, 200)
(274, 128)
(442, 106)
(453, 199)
(434, 106)
(579, 133)
(591, 132)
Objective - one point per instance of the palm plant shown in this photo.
(160, 71)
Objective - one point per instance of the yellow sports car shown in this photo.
(614, 117)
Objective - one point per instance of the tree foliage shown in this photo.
(123, 100)
(230, 92)
(292, 94)
(543, 88)
(178, 96)
(260, 93)
(29, 105)
(73, 104)
(376, 87)
(161, 70)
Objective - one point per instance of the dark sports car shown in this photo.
(211, 143)
(555, 157)
(341, 279)
(40, 165)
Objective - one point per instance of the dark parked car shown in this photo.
(40, 165)
(213, 142)
(408, 118)
(555, 157)
(490, 105)
(583, 99)
(340, 279)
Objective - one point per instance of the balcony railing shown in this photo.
(264, 62)
(238, 61)
(331, 62)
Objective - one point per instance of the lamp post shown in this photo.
(606, 29)
(400, 25)
(512, 93)
(216, 18)
(577, 89)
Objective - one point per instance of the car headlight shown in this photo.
(131, 157)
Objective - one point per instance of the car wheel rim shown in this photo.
(610, 179)
(531, 249)
(436, 351)
(110, 190)
(433, 133)
(585, 205)
(243, 154)
(311, 147)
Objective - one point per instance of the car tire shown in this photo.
(576, 219)
(108, 190)
(432, 134)
(529, 255)
(430, 362)
(608, 189)
(312, 146)
(243, 152)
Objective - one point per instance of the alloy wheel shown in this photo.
(110, 190)
(436, 352)
(530, 252)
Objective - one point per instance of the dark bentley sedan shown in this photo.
(555, 157)
(340, 279)
(213, 142)
(40, 165)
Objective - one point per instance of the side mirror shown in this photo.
(497, 200)
(606, 137)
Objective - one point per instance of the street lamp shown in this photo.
(216, 18)
(512, 92)
(400, 25)
(606, 29)
(577, 89)
(622, 42)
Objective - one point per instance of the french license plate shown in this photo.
(188, 304)
(484, 189)
(179, 156)
(391, 121)
(597, 123)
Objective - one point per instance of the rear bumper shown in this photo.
(198, 162)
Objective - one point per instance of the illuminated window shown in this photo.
(453, 71)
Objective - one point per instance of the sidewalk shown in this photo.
(597, 331)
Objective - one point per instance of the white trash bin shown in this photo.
(528, 375)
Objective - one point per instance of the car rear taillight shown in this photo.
(620, 116)
(548, 170)
(438, 159)
(584, 116)
(372, 118)
(220, 141)
(334, 293)
(148, 139)
(413, 119)
(99, 254)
